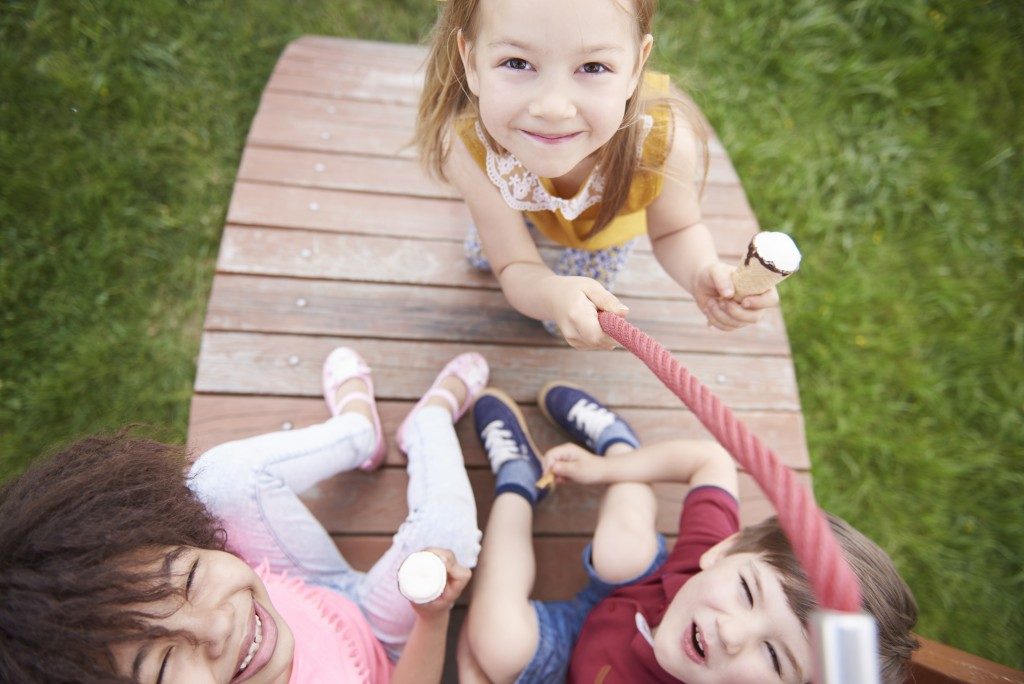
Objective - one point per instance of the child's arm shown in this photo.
(529, 285)
(683, 245)
(695, 462)
(422, 660)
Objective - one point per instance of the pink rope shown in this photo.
(834, 584)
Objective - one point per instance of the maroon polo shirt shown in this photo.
(610, 648)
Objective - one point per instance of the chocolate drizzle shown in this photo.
(752, 254)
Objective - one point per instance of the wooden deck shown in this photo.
(335, 236)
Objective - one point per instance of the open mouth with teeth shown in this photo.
(260, 644)
(693, 644)
(698, 641)
(254, 646)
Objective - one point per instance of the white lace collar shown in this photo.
(523, 190)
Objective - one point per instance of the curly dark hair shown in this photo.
(86, 537)
(884, 594)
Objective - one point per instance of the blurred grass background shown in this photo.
(885, 135)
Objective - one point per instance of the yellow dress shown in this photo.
(568, 221)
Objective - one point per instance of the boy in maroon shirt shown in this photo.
(723, 605)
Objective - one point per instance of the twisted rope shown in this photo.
(834, 584)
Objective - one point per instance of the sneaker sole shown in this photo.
(511, 404)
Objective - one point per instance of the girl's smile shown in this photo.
(553, 92)
(259, 643)
(223, 628)
(551, 139)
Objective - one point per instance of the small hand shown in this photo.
(571, 462)
(713, 290)
(576, 301)
(458, 578)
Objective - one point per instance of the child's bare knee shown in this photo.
(625, 560)
(500, 640)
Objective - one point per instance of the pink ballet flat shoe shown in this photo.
(472, 370)
(344, 364)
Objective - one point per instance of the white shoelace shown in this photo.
(591, 418)
(500, 445)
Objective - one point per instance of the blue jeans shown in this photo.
(252, 486)
(559, 622)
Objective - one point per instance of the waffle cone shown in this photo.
(753, 278)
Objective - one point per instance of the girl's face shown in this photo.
(552, 78)
(228, 610)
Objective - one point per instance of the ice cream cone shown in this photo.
(771, 258)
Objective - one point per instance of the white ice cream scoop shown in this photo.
(771, 258)
(422, 577)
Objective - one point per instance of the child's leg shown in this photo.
(251, 485)
(507, 636)
(501, 631)
(626, 540)
(442, 510)
(474, 250)
(603, 265)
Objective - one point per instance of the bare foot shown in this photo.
(456, 387)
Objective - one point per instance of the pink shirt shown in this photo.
(333, 641)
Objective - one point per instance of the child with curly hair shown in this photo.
(120, 562)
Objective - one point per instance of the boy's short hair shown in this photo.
(79, 534)
(884, 594)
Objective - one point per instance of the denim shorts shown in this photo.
(559, 622)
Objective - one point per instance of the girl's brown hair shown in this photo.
(446, 96)
(884, 594)
(86, 537)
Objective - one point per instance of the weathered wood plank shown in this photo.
(340, 256)
(361, 213)
(355, 49)
(375, 503)
(358, 81)
(280, 206)
(219, 418)
(290, 365)
(340, 172)
(936, 663)
(360, 173)
(379, 310)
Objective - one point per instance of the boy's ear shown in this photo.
(716, 552)
(465, 54)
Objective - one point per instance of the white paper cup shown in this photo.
(422, 577)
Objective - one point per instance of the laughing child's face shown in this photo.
(240, 635)
(731, 622)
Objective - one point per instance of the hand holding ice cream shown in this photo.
(732, 298)
(771, 258)
(432, 580)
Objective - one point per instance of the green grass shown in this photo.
(886, 136)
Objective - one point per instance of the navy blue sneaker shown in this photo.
(514, 457)
(584, 418)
